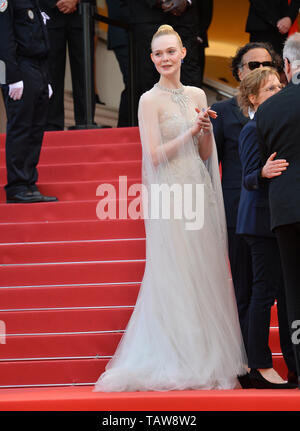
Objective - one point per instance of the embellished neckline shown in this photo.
(170, 90)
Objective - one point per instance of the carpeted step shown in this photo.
(112, 136)
(74, 295)
(76, 154)
(86, 171)
(73, 251)
(75, 190)
(85, 344)
(60, 346)
(65, 320)
(68, 210)
(70, 273)
(60, 372)
(70, 230)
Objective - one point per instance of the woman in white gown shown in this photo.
(184, 332)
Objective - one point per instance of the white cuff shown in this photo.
(16, 85)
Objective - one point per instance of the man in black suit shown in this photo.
(24, 50)
(278, 131)
(117, 40)
(227, 127)
(145, 18)
(205, 13)
(65, 29)
(270, 21)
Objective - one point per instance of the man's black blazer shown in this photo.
(264, 14)
(146, 11)
(278, 130)
(117, 36)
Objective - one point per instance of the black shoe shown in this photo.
(22, 198)
(259, 382)
(245, 381)
(29, 197)
(37, 194)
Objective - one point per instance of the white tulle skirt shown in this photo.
(184, 332)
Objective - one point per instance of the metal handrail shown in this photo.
(88, 12)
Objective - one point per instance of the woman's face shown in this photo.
(167, 54)
(270, 87)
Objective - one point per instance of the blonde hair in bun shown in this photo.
(164, 30)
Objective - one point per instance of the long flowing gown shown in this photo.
(184, 332)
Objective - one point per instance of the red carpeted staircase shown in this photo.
(69, 281)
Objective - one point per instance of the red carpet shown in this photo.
(69, 281)
(83, 399)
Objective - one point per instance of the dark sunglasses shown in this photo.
(256, 64)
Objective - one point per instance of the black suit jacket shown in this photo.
(117, 36)
(264, 14)
(278, 130)
(254, 212)
(146, 11)
(227, 127)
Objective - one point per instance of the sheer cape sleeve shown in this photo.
(169, 149)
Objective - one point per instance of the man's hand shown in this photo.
(15, 90)
(67, 6)
(274, 168)
(284, 24)
(175, 7)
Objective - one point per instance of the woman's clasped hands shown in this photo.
(203, 124)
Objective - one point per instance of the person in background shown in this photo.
(117, 40)
(66, 30)
(227, 127)
(253, 223)
(270, 21)
(278, 131)
(24, 49)
(205, 14)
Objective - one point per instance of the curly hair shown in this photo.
(251, 84)
(236, 61)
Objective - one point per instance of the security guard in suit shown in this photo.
(24, 50)
(65, 30)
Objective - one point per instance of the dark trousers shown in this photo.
(288, 237)
(121, 54)
(26, 121)
(271, 36)
(241, 271)
(145, 73)
(267, 286)
(60, 39)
